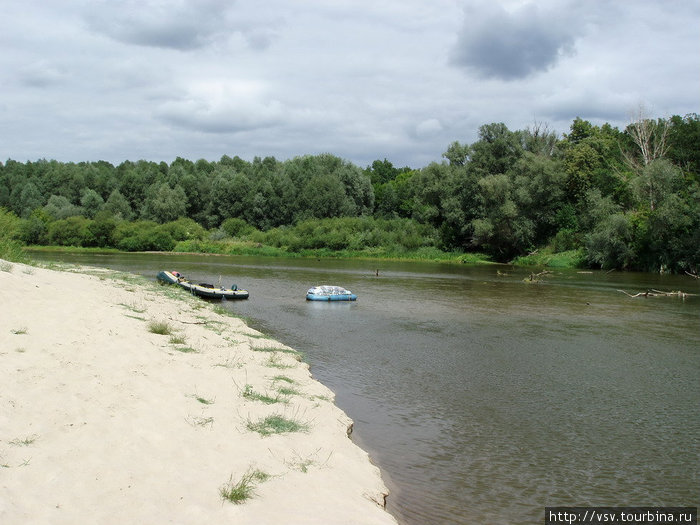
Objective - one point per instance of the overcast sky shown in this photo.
(114, 80)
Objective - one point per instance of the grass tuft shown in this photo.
(277, 424)
(20, 331)
(273, 349)
(275, 362)
(243, 489)
(284, 379)
(177, 340)
(288, 391)
(160, 328)
(249, 393)
(203, 400)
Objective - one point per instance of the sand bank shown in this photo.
(104, 421)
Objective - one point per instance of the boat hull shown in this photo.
(206, 291)
(336, 297)
(329, 293)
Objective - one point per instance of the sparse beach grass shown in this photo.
(302, 464)
(24, 442)
(277, 424)
(160, 328)
(274, 349)
(229, 363)
(288, 391)
(274, 361)
(200, 421)
(177, 339)
(22, 330)
(284, 379)
(239, 491)
(203, 400)
(251, 394)
(186, 349)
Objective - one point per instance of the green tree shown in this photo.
(496, 150)
(27, 199)
(457, 154)
(59, 207)
(119, 206)
(164, 203)
(611, 244)
(92, 203)
(684, 143)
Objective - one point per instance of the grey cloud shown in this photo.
(182, 25)
(509, 46)
(40, 75)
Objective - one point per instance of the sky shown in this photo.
(116, 80)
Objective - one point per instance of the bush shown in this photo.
(143, 236)
(70, 232)
(235, 227)
(184, 229)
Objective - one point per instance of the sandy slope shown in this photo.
(100, 420)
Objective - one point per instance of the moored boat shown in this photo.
(208, 291)
(329, 293)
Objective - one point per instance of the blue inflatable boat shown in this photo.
(329, 293)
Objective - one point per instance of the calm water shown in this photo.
(484, 399)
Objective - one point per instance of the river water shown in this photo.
(482, 398)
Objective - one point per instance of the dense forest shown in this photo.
(610, 198)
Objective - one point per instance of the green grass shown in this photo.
(277, 424)
(274, 349)
(239, 491)
(275, 362)
(133, 308)
(288, 391)
(202, 400)
(177, 340)
(284, 379)
(20, 331)
(251, 394)
(186, 349)
(160, 328)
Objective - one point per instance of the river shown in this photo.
(483, 398)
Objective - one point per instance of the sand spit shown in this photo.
(104, 421)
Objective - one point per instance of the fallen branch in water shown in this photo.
(659, 293)
(693, 275)
(535, 277)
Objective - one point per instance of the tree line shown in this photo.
(626, 199)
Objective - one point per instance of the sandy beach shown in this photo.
(104, 420)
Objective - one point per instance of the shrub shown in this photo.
(235, 227)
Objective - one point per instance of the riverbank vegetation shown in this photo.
(596, 196)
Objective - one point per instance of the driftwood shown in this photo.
(693, 275)
(535, 277)
(659, 293)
